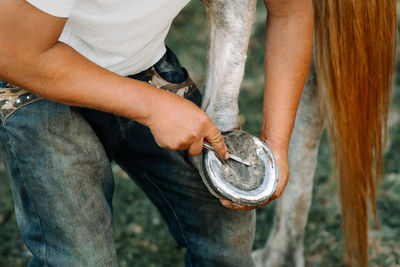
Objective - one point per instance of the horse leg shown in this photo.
(230, 25)
(285, 244)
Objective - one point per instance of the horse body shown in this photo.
(230, 26)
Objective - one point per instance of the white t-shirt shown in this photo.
(123, 36)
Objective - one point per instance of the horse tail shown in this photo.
(355, 58)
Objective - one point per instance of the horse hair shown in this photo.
(355, 59)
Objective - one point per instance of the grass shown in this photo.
(142, 238)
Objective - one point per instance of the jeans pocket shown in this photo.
(12, 98)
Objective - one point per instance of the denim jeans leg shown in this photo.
(214, 235)
(62, 186)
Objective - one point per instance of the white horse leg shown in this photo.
(230, 25)
(285, 244)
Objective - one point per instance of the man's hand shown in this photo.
(281, 157)
(283, 177)
(178, 124)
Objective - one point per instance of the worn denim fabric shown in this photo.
(58, 161)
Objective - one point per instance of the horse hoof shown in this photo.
(244, 185)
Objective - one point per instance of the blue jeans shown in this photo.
(58, 160)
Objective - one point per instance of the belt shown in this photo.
(13, 97)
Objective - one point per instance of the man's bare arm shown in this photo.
(32, 57)
(288, 49)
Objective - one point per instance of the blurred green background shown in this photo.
(142, 237)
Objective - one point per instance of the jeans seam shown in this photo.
(12, 150)
(173, 212)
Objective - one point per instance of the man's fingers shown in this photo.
(229, 205)
(233, 206)
(215, 138)
(196, 148)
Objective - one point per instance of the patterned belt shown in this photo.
(13, 98)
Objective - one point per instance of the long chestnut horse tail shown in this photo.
(355, 44)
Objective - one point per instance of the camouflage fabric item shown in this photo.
(13, 97)
(183, 89)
